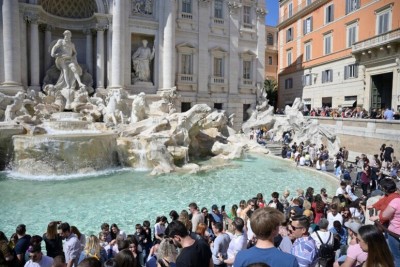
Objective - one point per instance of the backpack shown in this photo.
(326, 252)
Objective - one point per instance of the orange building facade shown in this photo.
(339, 53)
(271, 53)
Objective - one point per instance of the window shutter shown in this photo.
(323, 75)
(348, 2)
(332, 15)
(346, 72)
(304, 27)
(303, 80)
(311, 24)
(331, 75)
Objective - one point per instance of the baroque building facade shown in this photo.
(340, 53)
(271, 53)
(211, 51)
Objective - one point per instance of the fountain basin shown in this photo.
(64, 154)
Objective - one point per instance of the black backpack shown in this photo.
(326, 252)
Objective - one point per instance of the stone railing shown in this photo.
(377, 40)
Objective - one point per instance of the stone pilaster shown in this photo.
(100, 58)
(234, 63)
(12, 47)
(118, 28)
(204, 57)
(47, 41)
(89, 49)
(1, 50)
(34, 52)
(168, 68)
(261, 12)
(24, 50)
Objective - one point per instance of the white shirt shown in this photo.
(302, 161)
(324, 237)
(332, 218)
(46, 261)
(159, 229)
(238, 243)
(339, 191)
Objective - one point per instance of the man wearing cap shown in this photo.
(22, 244)
(355, 255)
(197, 217)
(195, 253)
(37, 258)
(265, 224)
(72, 245)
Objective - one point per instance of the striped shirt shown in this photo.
(306, 252)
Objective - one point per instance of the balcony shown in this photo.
(377, 41)
(218, 84)
(186, 15)
(186, 78)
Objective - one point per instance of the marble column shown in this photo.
(89, 50)
(1, 50)
(12, 47)
(204, 56)
(100, 58)
(169, 45)
(34, 53)
(261, 12)
(24, 50)
(234, 63)
(47, 42)
(118, 28)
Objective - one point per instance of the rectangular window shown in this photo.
(247, 15)
(218, 9)
(309, 2)
(383, 21)
(247, 70)
(288, 83)
(351, 34)
(307, 25)
(351, 71)
(307, 51)
(289, 34)
(327, 44)
(290, 10)
(289, 57)
(329, 14)
(218, 67)
(352, 5)
(327, 76)
(186, 64)
(270, 60)
(350, 98)
(186, 6)
(307, 80)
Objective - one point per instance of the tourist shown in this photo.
(202, 233)
(105, 228)
(81, 237)
(52, 241)
(341, 189)
(197, 217)
(125, 258)
(115, 231)
(153, 254)
(139, 236)
(309, 194)
(339, 233)
(184, 218)
(93, 249)
(232, 214)
(204, 211)
(173, 215)
(260, 203)
(349, 191)
(325, 238)
(275, 203)
(390, 189)
(159, 227)
(354, 256)
(318, 207)
(133, 246)
(265, 224)
(388, 154)
(166, 254)
(304, 247)
(365, 179)
(238, 241)
(147, 238)
(6, 253)
(193, 252)
(220, 245)
(22, 244)
(215, 215)
(373, 242)
(242, 206)
(90, 262)
(111, 263)
(36, 257)
(334, 215)
(72, 246)
(388, 114)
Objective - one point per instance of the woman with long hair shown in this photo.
(372, 241)
(6, 255)
(201, 232)
(81, 237)
(166, 253)
(318, 207)
(125, 258)
(53, 241)
(93, 249)
(184, 218)
(233, 213)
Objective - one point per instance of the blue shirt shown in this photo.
(271, 256)
(305, 250)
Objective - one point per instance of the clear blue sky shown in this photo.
(272, 16)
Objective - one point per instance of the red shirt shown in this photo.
(383, 203)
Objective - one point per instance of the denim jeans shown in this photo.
(394, 245)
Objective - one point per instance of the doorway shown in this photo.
(381, 90)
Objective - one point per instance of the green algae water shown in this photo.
(127, 197)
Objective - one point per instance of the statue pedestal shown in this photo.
(11, 89)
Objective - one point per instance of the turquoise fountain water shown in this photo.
(126, 197)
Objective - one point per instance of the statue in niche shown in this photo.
(65, 54)
(143, 7)
(141, 62)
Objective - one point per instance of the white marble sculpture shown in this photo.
(138, 108)
(141, 63)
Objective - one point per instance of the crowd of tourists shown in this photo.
(307, 229)
(349, 112)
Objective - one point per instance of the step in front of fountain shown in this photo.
(64, 154)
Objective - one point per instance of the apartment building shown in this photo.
(339, 53)
(271, 53)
